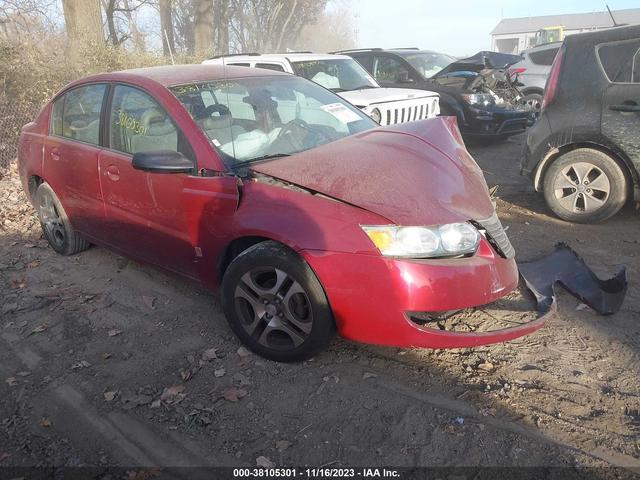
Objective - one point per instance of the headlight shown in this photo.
(478, 98)
(449, 240)
(376, 115)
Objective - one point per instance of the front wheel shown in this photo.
(275, 304)
(585, 186)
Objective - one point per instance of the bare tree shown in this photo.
(203, 33)
(271, 25)
(121, 24)
(83, 20)
(166, 27)
(221, 12)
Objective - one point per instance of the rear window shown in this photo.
(621, 61)
(544, 57)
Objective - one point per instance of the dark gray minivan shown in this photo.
(584, 150)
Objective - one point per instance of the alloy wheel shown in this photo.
(582, 188)
(273, 308)
(51, 221)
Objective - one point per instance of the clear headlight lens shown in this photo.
(478, 98)
(376, 115)
(449, 240)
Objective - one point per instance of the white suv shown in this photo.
(346, 77)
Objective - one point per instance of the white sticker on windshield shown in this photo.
(341, 112)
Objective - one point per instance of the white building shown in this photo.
(512, 35)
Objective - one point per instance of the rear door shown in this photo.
(621, 100)
(71, 155)
(145, 213)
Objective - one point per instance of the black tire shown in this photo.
(285, 334)
(58, 231)
(607, 203)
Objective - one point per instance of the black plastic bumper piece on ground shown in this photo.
(564, 266)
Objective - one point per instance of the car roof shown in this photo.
(605, 35)
(299, 57)
(168, 75)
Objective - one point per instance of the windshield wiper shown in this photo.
(264, 157)
(336, 90)
(362, 87)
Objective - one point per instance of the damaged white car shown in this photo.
(346, 77)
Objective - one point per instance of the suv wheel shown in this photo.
(55, 223)
(534, 101)
(275, 304)
(585, 186)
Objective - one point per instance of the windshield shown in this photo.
(428, 63)
(250, 119)
(339, 75)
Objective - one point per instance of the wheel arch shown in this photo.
(529, 90)
(33, 183)
(555, 153)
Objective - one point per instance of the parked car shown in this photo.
(530, 73)
(584, 151)
(463, 94)
(346, 77)
(306, 214)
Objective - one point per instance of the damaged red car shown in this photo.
(306, 215)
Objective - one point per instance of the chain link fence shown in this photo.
(13, 116)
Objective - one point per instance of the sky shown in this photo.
(456, 27)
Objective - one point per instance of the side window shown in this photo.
(56, 116)
(621, 61)
(544, 57)
(388, 69)
(239, 64)
(139, 124)
(271, 66)
(81, 113)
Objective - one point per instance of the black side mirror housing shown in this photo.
(162, 161)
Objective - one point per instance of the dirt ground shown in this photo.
(107, 362)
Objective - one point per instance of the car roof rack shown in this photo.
(251, 54)
(405, 48)
(358, 50)
(299, 51)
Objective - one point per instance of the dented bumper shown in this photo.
(372, 296)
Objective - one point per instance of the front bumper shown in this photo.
(372, 296)
(495, 121)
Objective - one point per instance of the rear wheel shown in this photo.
(55, 223)
(275, 304)
(534, 101)
(585, 186)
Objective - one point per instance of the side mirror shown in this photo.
(162, 161)
(403, 77)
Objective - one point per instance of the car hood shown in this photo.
(417, 173)
(371, 96)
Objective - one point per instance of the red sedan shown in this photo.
(306, 214)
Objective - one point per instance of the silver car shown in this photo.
(532, 72)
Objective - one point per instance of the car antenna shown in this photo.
(615, 24)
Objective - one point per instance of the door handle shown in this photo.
(628, 106)
(55, 154)
(113, 173)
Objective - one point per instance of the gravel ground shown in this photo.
(106, 362)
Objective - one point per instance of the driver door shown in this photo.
(145, 216)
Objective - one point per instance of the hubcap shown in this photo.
(535, 104)
(51, 221)
(273, 308)
(582, 188)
